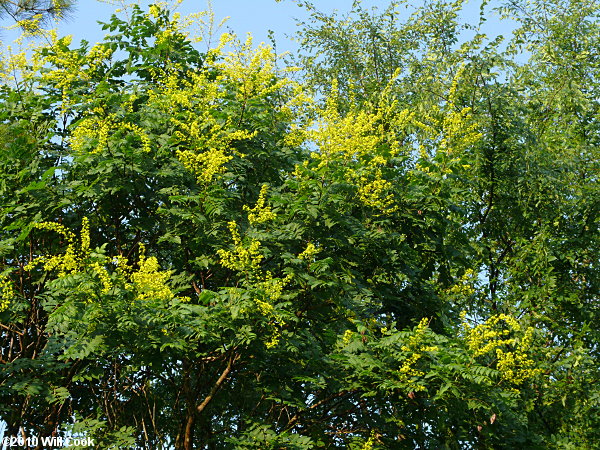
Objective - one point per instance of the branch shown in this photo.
(11, 330)
(293, 420)
(218, 384)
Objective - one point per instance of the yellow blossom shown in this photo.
(497, 337)
(466, 284)
(103, 275)
(242, 258)
(149, 281)
(260, 213)
(415, 347)
(347, 337)
(7, 292)
(309, 252)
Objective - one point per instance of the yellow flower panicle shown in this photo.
(416, 347)
(206, 165)
(252, 71)
(466, 284)
(267, 289)
(497, 337)
(460, 129)
(138, 131)
(347, 337)
(67, 263)
(85, 237)
(75, 258)
(194, 102)
(360, 143)
(70, 68)
(149, 281)
(7, 292)
(104, 276)
(309, 253)
(260, 213)
(368, 445)
(95, 130)
(374, 193)
(242, 258)
(447, 133)
(272, 289)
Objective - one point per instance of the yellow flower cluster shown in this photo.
(246, 259)
(85, 238)
(67, 263)
(309, 252)
(368, 445)
(178, 24)
(95, 129)
(374, 193)
(516, 367)
(448, 131)
(266, 309)
(104, 277)
(31, 26)
(205, 165)
(154, 10)
(459, 131)
(347, 337)
(251, 70)
(73, 260)
(149, 281)
(360, 144)
(192, 102)
(57, 7)
(20, 66)
(272, 289)
(466, 285)
(6, 293)
(70, 67)
(459, 126)
(260, 213)
(495, 337)
(138, 131)
(416, 347)
(348, 138)
(242, 258)
(269, 291)
(486, 337)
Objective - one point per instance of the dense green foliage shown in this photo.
(400, 251)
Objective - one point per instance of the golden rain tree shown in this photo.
(392, 243)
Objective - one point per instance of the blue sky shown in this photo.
(254, 16)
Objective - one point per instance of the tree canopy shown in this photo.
(391, 241)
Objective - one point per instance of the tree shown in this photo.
(198, 252)
(27, 11)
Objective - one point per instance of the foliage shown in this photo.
(199, 251)
(30, 14)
